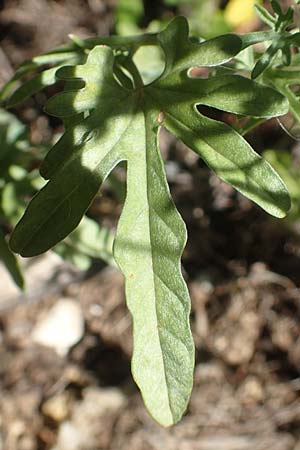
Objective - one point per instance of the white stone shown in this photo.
(61, 327)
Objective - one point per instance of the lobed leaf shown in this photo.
(106, 123)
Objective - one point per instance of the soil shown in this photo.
(242, 269)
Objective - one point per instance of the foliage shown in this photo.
(128, 15)
(19, 181)
(286, 81)
(279, 64)
(282, 41)
(110, 116)
(13, 180)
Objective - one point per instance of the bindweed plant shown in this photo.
(110, 116)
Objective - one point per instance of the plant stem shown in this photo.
(250, 125)
(131, 67)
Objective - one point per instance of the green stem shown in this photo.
(285, 75)
(115, 42)
(257, 37)
(122, 77)
(123, 42)
(250, 125)
(293, 100)
(131, 67)
(281, 80)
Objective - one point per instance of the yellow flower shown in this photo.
(239, 12)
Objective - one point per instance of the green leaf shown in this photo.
(10, 262)
(106, 123)
(82, 177)
(276, 7)
(265, 60)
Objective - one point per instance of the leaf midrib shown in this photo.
(154, 271)
(156, 275)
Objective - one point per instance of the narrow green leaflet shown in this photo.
(264, 15)
(10, 262)
(32, 86)
(107, 123)
(30, 66)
